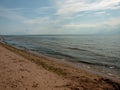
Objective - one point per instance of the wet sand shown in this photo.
(23, 70)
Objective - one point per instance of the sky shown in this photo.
(21, 17)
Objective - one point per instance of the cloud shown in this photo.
(45, 10)
(85, 25)
(111, 23)
(100, 13)
(37, 20)
(68, 7)
(64, 16)
(10, 14)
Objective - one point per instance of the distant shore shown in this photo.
(34, 67)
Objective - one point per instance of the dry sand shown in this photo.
(17, 73)
(22, 70)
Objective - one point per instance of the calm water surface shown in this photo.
(99, 51)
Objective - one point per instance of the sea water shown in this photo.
(99, 51)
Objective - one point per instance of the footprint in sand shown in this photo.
(14, 59)
(18, 61)
(12, 83)
(24, 70)
(22, 76)
(35, 84)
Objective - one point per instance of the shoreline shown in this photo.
(81, 66)
(79, 76)
(100, 63)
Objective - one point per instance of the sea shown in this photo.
(98, 52)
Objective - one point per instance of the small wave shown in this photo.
(92, 53)
(52, 52)
(74, 48)
(83, 50)
(98, 64)
(61, 54)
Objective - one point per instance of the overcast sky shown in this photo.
(59, 16)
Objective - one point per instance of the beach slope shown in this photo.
(23, 70)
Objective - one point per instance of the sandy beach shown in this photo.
(23, 70)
